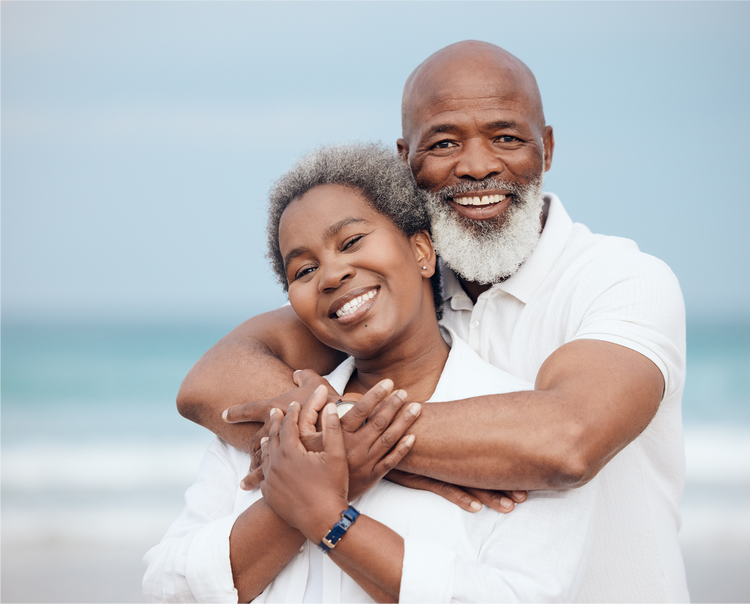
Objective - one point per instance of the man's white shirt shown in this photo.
(577, 285)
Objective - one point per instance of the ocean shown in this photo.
(95, 458)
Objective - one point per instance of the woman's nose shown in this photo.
(334, 274)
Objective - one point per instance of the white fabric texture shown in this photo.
(537, 553)
(577, 285)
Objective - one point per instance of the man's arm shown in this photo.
(591, 399)
(253, 363)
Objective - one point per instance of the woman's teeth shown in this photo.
(485, 200)
(353, 305)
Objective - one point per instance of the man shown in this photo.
(595, 324)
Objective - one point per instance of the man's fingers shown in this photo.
(451, 492)
(362, 409)
(500, 501)
(252, 480)
(518, 496)
(256, 411)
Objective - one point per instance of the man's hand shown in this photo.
(466, 498)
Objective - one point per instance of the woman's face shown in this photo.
(354, 278)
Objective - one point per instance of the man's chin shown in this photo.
(486, 251)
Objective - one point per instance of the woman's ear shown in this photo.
(424, 253)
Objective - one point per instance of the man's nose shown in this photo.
(478, 160)
(334, 274)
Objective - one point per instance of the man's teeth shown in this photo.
(479, 201)
(353, 305)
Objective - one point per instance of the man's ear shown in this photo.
(424, 253)
(403, 149)
(549, 147)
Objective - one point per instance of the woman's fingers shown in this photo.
(391, 460)
(390, 423)
(333, 437)
(363, 408)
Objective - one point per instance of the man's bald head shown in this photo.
(469, 69)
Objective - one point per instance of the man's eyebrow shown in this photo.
(331, 231)
(496, 125)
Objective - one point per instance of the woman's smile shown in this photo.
(352, 306)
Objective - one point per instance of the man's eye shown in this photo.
(443, 145)
(506, 139)
(350, 242)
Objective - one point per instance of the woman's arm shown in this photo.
(210, 550)
(309, 490)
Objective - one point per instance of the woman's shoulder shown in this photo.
(466, 374)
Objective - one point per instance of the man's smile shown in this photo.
(477, 205)
(483, 200)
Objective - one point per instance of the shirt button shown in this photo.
(474, 324)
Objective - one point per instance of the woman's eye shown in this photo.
(350, 242)
(304, 271)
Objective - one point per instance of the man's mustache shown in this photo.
(479, 186)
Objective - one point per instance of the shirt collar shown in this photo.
(533, 271)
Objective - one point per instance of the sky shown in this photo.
(139, 139)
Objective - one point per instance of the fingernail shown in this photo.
(243, 486)
(476, 506)
(224, 414)
(415, 409)
(291, 405)
(273, 411)
(505, 503)
(263, 440)
(386, 384)
(331, 409)
(410, 440)
(297, 371)
(320, 389)
(401, 394)
(519, 494)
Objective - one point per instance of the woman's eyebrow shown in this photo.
(331, 231)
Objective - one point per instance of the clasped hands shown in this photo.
(371, 449)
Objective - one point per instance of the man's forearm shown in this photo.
(254, 362)
(591, 399)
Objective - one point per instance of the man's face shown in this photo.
(475, 138)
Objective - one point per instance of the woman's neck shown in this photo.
(414, 364)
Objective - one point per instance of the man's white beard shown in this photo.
(487, 251)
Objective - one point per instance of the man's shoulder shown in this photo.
(593, 257)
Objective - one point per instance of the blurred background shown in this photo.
(138, 144)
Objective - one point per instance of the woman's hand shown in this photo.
(374, 433)
(308, 489)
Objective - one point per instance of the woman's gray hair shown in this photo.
(377, 173)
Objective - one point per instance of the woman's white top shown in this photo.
(541, 552)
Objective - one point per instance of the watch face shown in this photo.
(342, 407)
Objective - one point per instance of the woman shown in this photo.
(349, 240)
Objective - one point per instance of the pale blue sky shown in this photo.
(139, 139)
